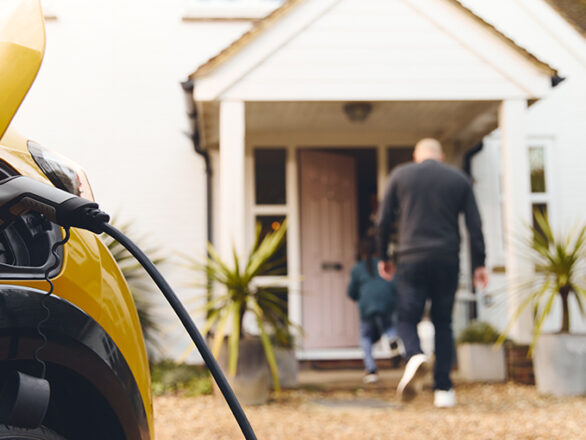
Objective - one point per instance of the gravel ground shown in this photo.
(503, 412)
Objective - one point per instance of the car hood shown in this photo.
(22, 46)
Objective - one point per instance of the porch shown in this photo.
(315, 164)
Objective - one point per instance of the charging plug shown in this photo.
(21, 194)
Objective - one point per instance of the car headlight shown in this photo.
(62, 172)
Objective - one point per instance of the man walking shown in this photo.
(422, 203)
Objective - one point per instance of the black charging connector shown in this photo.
(19, 195)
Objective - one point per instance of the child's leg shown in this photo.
(396, 346)
(391, 333)
(366, 345)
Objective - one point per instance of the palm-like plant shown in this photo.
(238, 294)
(141, 286)
(558, 261)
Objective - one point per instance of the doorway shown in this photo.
(338, 190)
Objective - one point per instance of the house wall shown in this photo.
(556, 122)
(108, 96)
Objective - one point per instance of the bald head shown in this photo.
(428, 148)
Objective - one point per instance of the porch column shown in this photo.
(517, 210)
(232, 223)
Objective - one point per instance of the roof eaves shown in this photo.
(244, 39)
(552, 72)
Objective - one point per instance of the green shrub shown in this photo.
(168, 377)
(478, 332)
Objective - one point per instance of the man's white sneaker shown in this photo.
(411, 382)
(444, 399)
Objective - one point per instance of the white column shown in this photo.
(517, 210)
(293, 238)
(232, 222)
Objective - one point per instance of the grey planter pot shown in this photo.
(253, 380)
(288, 367)
(481, 363)
(560, 364)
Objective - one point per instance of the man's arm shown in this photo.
(477, 249)
(387, 216)
(385, 227)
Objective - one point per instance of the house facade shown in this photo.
(303, 115)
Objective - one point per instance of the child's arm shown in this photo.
(354, 286)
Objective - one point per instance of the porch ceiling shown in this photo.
(458, 124)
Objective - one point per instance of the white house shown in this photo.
(303, 114)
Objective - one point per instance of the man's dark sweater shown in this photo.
(423, 201)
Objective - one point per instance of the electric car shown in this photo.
(84, 336)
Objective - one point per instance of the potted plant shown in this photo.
(478, 359)
(248, 358)
(559, 358)
(142, 288)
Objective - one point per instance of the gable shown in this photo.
(375, 50)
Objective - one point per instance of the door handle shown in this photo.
(329, 265)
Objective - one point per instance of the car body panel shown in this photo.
(91, 280)
(22, 46)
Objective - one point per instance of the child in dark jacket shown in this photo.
(376, 304)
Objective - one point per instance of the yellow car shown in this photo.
(94, 357)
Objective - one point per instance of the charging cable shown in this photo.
(20, 194)
(189, 325)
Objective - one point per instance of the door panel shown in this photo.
(328, 247)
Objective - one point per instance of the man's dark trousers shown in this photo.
(416, 281)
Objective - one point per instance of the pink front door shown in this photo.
(328, 248)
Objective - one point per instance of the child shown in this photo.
(376, 303)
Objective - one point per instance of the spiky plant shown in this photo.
(237, 294)
(141, 286)
(559, 259)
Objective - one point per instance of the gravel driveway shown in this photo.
(503, 412)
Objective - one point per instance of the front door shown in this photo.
(328, 248)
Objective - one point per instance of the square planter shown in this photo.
(288, 367)
(481, 363)
(560, 364)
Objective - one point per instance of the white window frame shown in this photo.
(546, 197)
(228, 10)
(291, 281)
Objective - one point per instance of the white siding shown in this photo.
(377, 50)
(559, 119)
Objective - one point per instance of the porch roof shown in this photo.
(257, 29)
(464, 56)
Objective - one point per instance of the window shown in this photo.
(537, 169)
(278, 263)
(540, 192)
(271, 205)
(270, 200)
(397, 156)
(269, 176)
(244, 10)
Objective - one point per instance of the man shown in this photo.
(422, 203)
